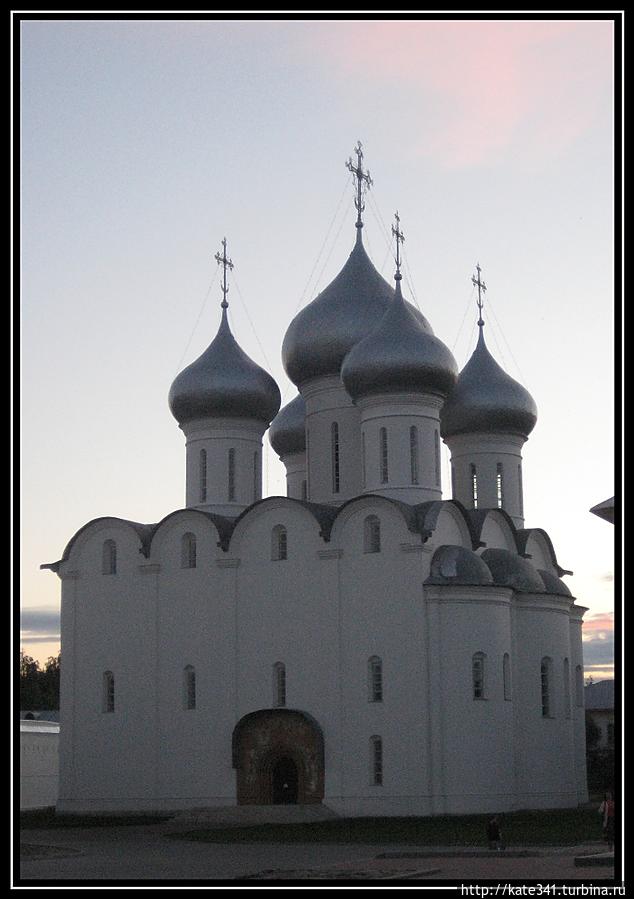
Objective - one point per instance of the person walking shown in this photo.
(606, 809)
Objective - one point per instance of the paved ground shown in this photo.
(147, 852)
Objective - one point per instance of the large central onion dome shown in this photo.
(346, 311)
(224, 383)
(486, 399)
(399, 356)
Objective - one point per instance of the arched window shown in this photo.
(566, 676)
(188, 550)
(520, 489)
(202, 464)
(474, 486)
(506, 676)
(478, 674)
(546, 683)
(376, 761)
(334, 446)
(189, 687)
(437, 456)
(579, 698)
(363, 466)
(231, 475)
(279, 543)
(499, 485)
(375, 679)
(109, 557)
(279, 684)
(372, 535)
(383, 455)
(108, 692)
(413, 454)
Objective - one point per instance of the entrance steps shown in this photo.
(244, 815)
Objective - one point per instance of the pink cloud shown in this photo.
(598, 626)
(486, 88)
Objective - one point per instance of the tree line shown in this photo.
(39, 687)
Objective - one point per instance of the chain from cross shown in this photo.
(225, 263)
(479, 283)
(362, 178)
(400, 238)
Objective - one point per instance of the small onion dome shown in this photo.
(511, 570)
(399, 356)
(457, 565)
(345, 312)
(553, 584)
(288, 429)
(486, 399)
(224, 383)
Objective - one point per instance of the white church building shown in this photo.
(361, 642)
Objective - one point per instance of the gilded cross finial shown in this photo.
(225, 263)
(363, 178)
(398, 235)
(479, 283)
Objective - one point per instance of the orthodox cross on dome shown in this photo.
(225, 263)
(398, 235)
(481, 287)
(362, 178)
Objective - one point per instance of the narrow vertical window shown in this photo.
(189, 687)
(202, 463)
(304, 490)
(506, 676)
(108, 691)
(499, 485)
(363, 468)
(279, 684)
(453, 481)
(546, 688)
(383, 452)
(375, 679)
(334, 447)
(413, 453)
(256, 476)
(188, 550)
(372, 535)
(376, 761)
(478, 673)
(308, 461)
(109, 557)
(566, 676)
(279, 543)
(437, 456)
(231, 475)
(520, 490)
(474, 486)
(579, 698)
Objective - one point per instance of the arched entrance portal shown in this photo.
(278, 755)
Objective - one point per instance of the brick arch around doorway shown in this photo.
(278, 755)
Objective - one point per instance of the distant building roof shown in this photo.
(600, 695)
(605, 510)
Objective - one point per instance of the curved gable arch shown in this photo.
(182, 520)
(288, 508)
(368, 504)
(446, 523)
(536, 543)
(497, 530)
(110, 527)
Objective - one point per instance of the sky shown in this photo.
(144, 143)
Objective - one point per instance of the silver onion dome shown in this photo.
(399, 356)
(346, 311)
(287, 433)
(486, 399)
(224, 382)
